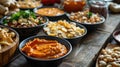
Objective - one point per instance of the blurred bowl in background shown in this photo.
(52, 13)
(23, 5)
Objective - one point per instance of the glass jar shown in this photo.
(99, 7)
(73, 5)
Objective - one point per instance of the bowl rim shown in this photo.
(35, 10)
(16, 41)
(116, 32)
(77, 24)
(46, 21)
(38, 59)
(100, 22)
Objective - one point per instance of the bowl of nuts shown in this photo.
(9, 40)
(109, 57)
(87, 18)
(71, 31)
(25, 22)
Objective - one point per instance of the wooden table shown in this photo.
(85, 53)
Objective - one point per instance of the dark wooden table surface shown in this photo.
(84, 53)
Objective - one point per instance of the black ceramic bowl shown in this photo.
(51, 18)
(116, 35)
(46, 62)
(26, 32)
(90, 26)
(74, 40)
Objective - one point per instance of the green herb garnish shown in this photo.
(89, 14)
(33, 15)
(25, 14)
(5, 22)
(40, 22)
(17, 15)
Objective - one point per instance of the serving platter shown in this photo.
(108, 47)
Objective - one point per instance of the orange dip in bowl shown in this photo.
(50, 11)
(44, 49)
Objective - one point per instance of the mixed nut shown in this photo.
(63, 29)
(109, 58)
